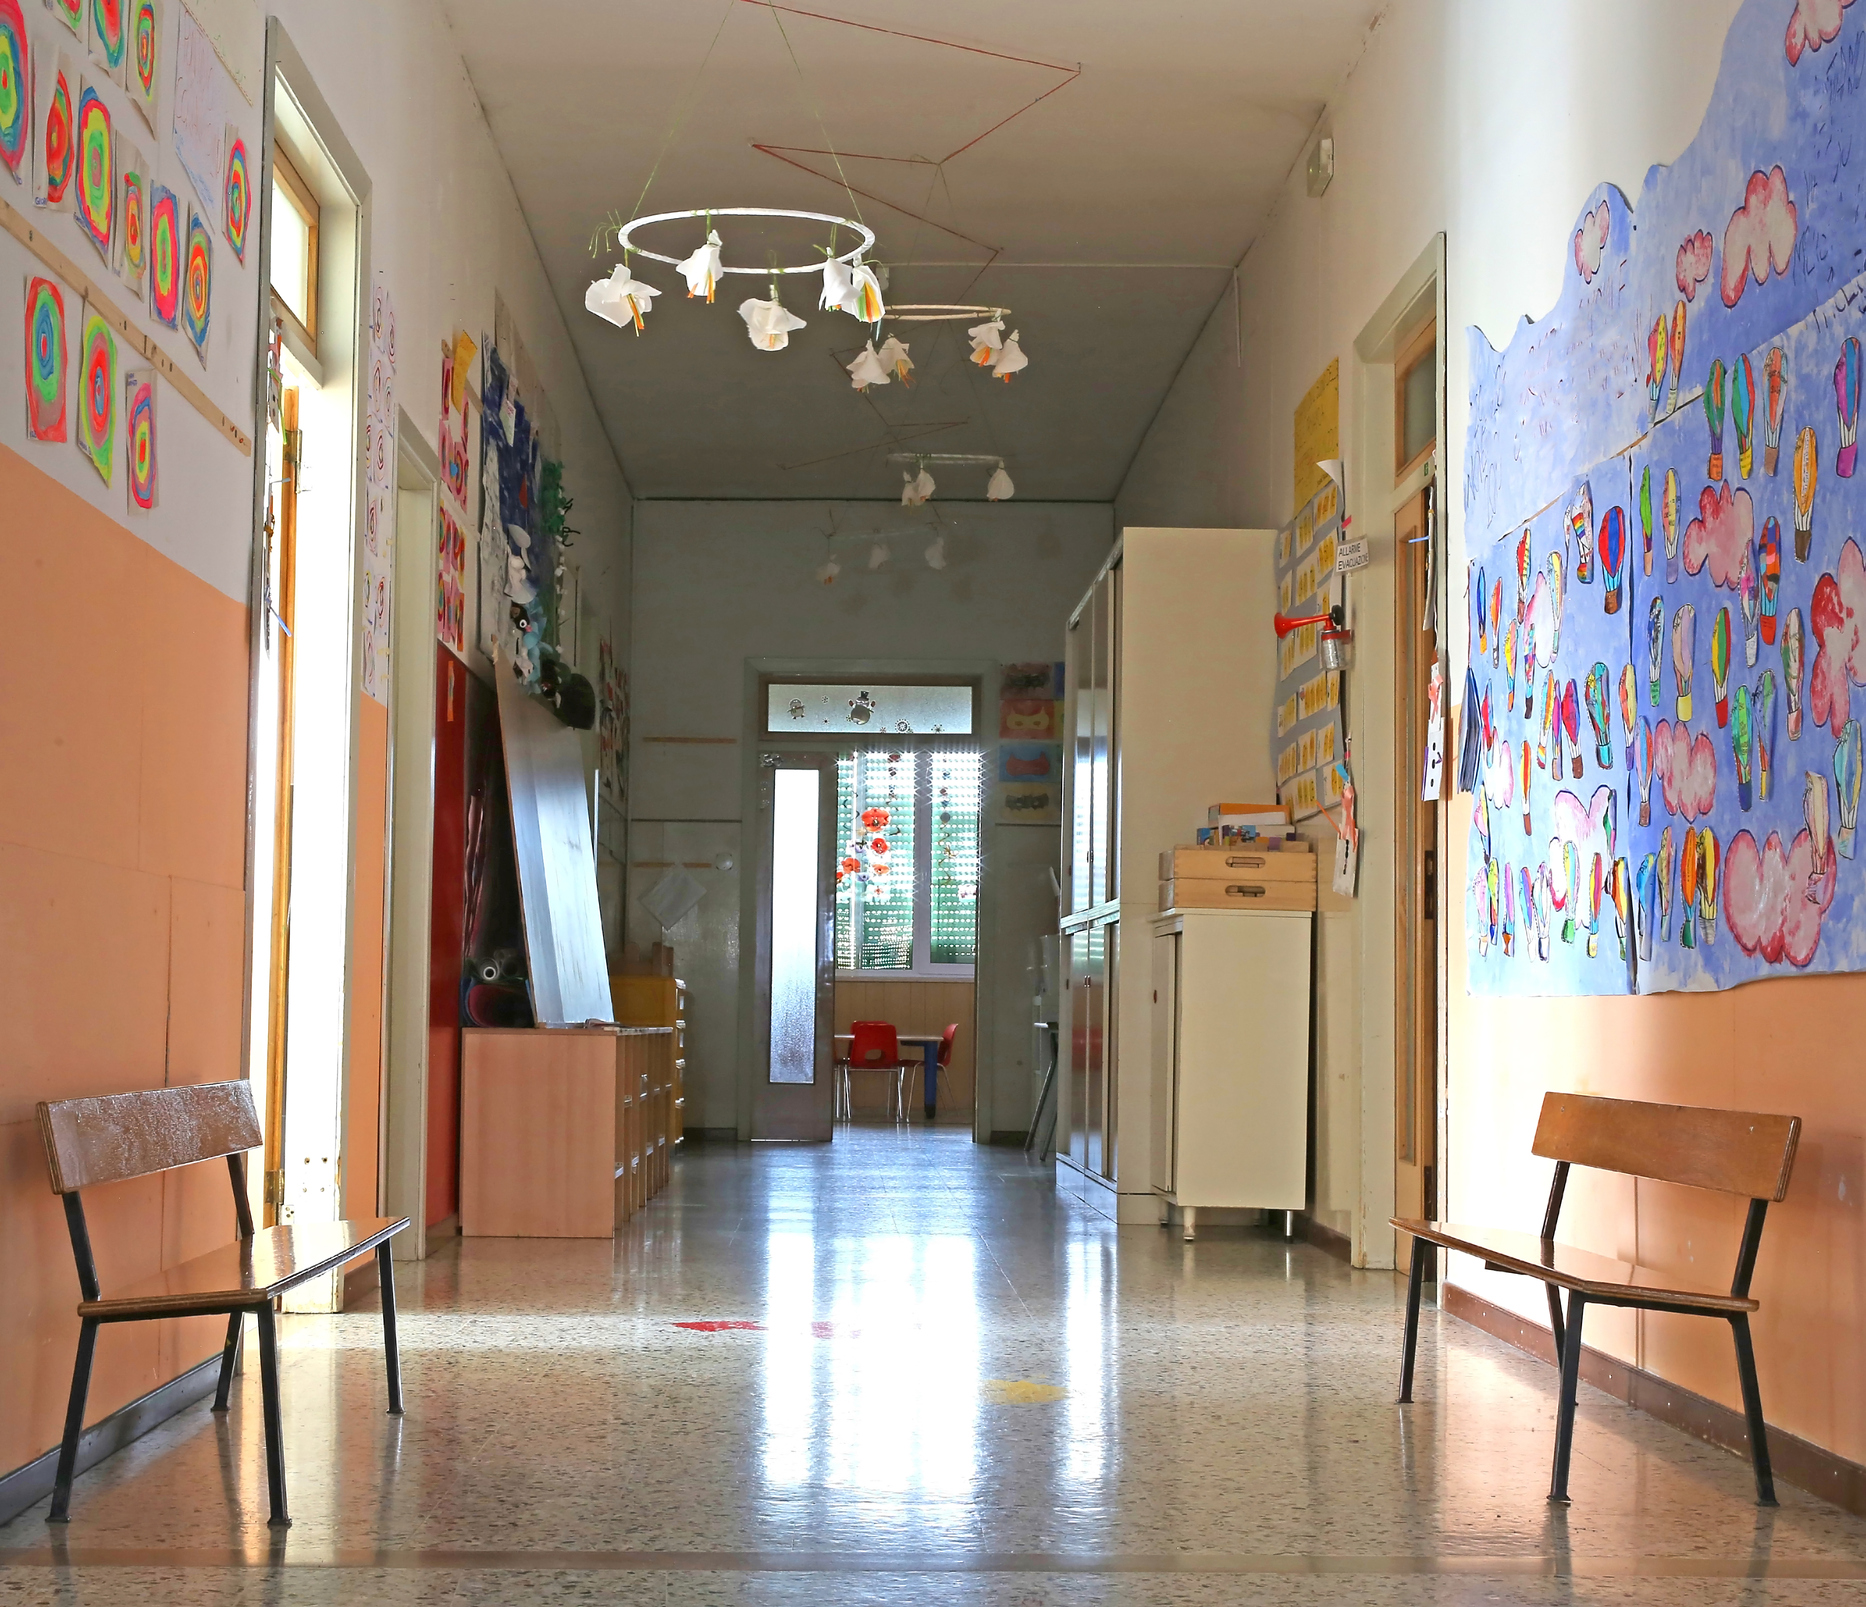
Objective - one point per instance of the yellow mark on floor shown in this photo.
(1021, 1392)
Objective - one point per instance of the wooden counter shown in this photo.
(564, 1131)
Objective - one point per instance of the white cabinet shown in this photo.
(1230, 1060)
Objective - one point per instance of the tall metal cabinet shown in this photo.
(1170, 666)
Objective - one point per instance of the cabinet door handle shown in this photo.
(1245, 862)
(1239, 890)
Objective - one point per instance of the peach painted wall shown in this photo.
(362, 1149)
(122, 865)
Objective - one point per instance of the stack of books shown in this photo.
(1230, 823)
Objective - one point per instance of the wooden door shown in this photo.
(1415, 1126)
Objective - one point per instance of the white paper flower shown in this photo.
(894, 354)
(878, 555)
(936, 553)
(701, 270)
(768, 324)
(864, 299)
(986, 339)
(1009, 360)
(867, 369)
(1000, 489)
(827, 571)
(621, 298)
(837, 285)
(915, 488)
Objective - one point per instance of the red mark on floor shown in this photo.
(723, 1327)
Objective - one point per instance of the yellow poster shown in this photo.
(1318, 431)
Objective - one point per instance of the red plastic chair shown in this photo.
(876, 1047)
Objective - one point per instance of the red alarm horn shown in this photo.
(1284, 624)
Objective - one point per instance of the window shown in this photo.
(798, 707)
(1415, 400)
(294, 245)
(907, 871)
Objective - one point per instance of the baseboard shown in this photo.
(447, 1228)
(361, 1281)
(710, 1135)
(1004, 1138)
(1331, 1241)
(27, 1485)
(1795, 1461)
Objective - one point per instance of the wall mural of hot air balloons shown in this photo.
(1727, 629)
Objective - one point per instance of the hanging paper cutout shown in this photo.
(109, 37)
(145, 47)
(164, 256)
(237, 208)
(55, 83)
(202, 103)
(868, 369)
(132, 248)
(1010, 359)
(768, 323)
(139, 389)
(987, 340)
(621, 298)
(702, 270)
(47, 361)
(893, 354)
(450, 603)
(916, 488)
(1713, 825)
(197, 283)
(97, 395)
(97, 172)
(15, 89)
(999, 487)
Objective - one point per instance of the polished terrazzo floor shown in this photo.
(954, 1386)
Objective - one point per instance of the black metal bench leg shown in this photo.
(1570, 1383)
(1415, 1285)
(229, 1354)
(1752, 1410)
(392, 1356)
(275, 1428)
(74, 1424)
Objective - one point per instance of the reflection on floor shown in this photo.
(935, 1382)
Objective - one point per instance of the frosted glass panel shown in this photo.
(794, 924)
(925, 710)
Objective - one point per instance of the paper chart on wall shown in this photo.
(202, 104)
(378, 493)
(1700, 375)
(1306, 730)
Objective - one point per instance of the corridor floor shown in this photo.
(940, 1382)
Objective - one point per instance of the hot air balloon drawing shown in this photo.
(1775, 377)
(1645, 517)
(1743, 413)
(1540, 903)
(1493, 876)
(1529, 669)
(1642, 770)
(1647, 886)
(1496, 621)
(1684, 646)
(1814, 811)
(1655, 375)
(1612, 545)
(1749, 598)
(1713, 415)
(1509, 659)
(1580, 531)
(1740, 746)
(1769, 567)
(1507, 885)
(1668, 520)
(1847, 785)
(1523, 564)
(1525, 769)
(1596, 691)
(1666, 857)
(1551, 721)
(1847, 404)
(1622, 894)
(1688, 890)
(1791, 671)
(1708, 858)
(1807, 472)
(1677, 355)
(1483, 616)
(1655, 645)
(1762, 721)
(1596, 888)
(1720, 665)
(1555, 605)
(1571, 726)
(1629, 715)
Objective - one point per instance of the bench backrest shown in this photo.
(90, 1141)
(1735, 1151)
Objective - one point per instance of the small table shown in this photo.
(929, 1046)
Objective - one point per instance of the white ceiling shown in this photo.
(1116, 205)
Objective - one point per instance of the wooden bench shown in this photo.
(94, 1141)
(1735, 1152)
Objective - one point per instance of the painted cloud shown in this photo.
(1814, 23)
(1835, 620)
(1760, 235)
(1686, 768)
(1774, 901)
(1590, 241)
(1694, 263)
(1721, 533)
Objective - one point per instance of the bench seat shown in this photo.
(248, 1272)
(1601, 1278)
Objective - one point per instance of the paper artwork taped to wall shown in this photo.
(97, 395)
(515, 544)
(197, 284)
(47, 360)
(73, 14)
(55, 107)
(139, 392)
(131, 256)
(237, 202)
(612, 729)
(1665, 600)
(202, 104)
(1307, 737)
(378, 492)
(144, 57)
(110, 37)
(456, 467)
(450, 589)
(97, 172)
(164, 256)
(15, 89)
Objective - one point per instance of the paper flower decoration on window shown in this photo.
(621, 298)
(999, 487)
(987, 342)
(768, 323)
(894, 354)
(1010, 359)
(701, 270)
(868, 369)
(916, 488)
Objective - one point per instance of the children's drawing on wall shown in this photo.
(1666, 591)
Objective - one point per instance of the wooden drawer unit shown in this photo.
(1248, 891)
(1237, 865)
